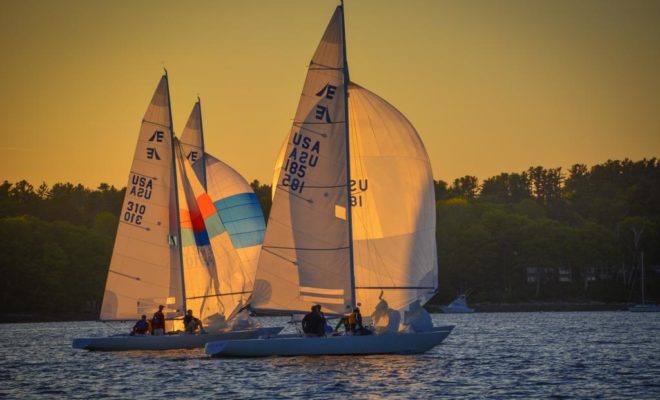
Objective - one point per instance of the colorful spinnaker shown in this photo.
(236, 203)
(212, 270)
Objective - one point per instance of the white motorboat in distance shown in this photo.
(296, 345)
(644, 308)
(168, 342)
(458, 306)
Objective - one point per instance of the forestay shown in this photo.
(306, 256)
(145, 267)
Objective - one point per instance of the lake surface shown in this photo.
(499, 355)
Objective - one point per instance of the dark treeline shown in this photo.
(56, 244)
(538, 235)
(549, 235)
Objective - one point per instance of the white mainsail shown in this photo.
(192, 142)
(305, 257)
(393, 205)
(145, 269)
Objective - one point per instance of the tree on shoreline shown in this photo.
(538, 234)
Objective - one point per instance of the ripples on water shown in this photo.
(502, 355)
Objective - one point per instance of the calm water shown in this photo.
(503, 355)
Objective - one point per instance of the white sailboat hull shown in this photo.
(290, 345)
(644, 308)
(167, 342)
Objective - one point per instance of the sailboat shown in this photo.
(171, 247)
(458, 306)
(644, 307)
(352, 222)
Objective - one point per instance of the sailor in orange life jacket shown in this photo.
(355, 320)
(158, 322)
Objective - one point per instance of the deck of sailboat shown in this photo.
(167, 342)
(296, 345)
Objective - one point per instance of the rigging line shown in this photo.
(156, 123)
(317, 123)
(141, 281)
(394, 287)
(137, 278)
(145, 176)
(311, 63)
(319, 187)
(301, 127)
(326, 187)
(239, 220)
(217, 295)
(136, 225)
(304, 248)
(295, 195)
(279, 256)
(298, 231)
(235, 205)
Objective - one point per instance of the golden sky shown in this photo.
(491, 86)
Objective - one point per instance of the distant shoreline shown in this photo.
(540, 307)
(479, 308)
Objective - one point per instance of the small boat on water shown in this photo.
(352, 221)
(458, 306)
(644, 308)
(189, 235)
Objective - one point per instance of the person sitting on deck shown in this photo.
(158, 322)
(141, 327)
(343, 321)
(191, 323)
(313, 324)
(326, 328)
(355, 323)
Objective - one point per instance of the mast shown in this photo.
(201, 134)
(349, 211)
(642, 261)
(176, 196)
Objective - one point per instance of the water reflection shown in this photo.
(522, 355)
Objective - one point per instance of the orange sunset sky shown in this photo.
(491, 86)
